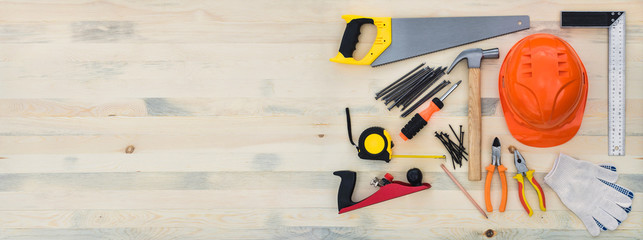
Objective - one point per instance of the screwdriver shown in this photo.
(420, 119)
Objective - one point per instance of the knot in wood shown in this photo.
(129, 149)
(490, 233)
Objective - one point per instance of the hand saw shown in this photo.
(401, 38)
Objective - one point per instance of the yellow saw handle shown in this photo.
(351, 37)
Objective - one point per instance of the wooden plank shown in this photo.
(195, 160)
(596, 109)
(203, 68)
(303, 233)
(334, 125)
(256, 10)
(249, 199)
(134, 233)
(264, 143)
(240, 219)
(228, 180)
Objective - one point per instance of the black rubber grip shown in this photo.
(351, 36)
(438, 103)
(589, 19)
(346, 187)
(414, 176)
(414, 126)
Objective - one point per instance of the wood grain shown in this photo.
(474, 125)
(234, 119)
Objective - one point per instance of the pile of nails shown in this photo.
(405, 90)
(456, 150)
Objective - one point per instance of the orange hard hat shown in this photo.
(543, 90)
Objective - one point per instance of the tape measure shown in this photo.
(375, 144)
(615, 22)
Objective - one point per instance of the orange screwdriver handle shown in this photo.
(435, 106)
(487, 187)
(420, 120)
(503, 181)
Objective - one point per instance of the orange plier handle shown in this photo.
(521, 191)
(487, 187)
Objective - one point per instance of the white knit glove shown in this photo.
(590, 192)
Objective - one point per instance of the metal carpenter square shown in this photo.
(615, 21)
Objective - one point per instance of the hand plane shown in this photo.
(388, 189)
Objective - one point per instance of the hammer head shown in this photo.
(473, 56)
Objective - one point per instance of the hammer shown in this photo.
(473, 57)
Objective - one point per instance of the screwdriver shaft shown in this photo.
(446, 94)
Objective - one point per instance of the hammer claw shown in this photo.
(473, 56)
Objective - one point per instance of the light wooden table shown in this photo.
(235, 118)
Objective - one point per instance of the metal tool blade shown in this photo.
(411, 37)
(616, 84)
(446, 94)
(495, 152)
(615, 22)
(519, 161)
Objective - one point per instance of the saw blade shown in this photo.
(411, 37)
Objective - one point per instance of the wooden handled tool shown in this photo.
(475, 124)
(474, 56)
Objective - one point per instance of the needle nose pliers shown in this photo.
(495, 162)
(524, 172)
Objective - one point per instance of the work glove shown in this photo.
(590, 192)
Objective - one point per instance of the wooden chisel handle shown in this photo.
(475, 122)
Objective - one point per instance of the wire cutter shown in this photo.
(524, 172)
(495, 162)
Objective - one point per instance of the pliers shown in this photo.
(495, 162)
(524, 172)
